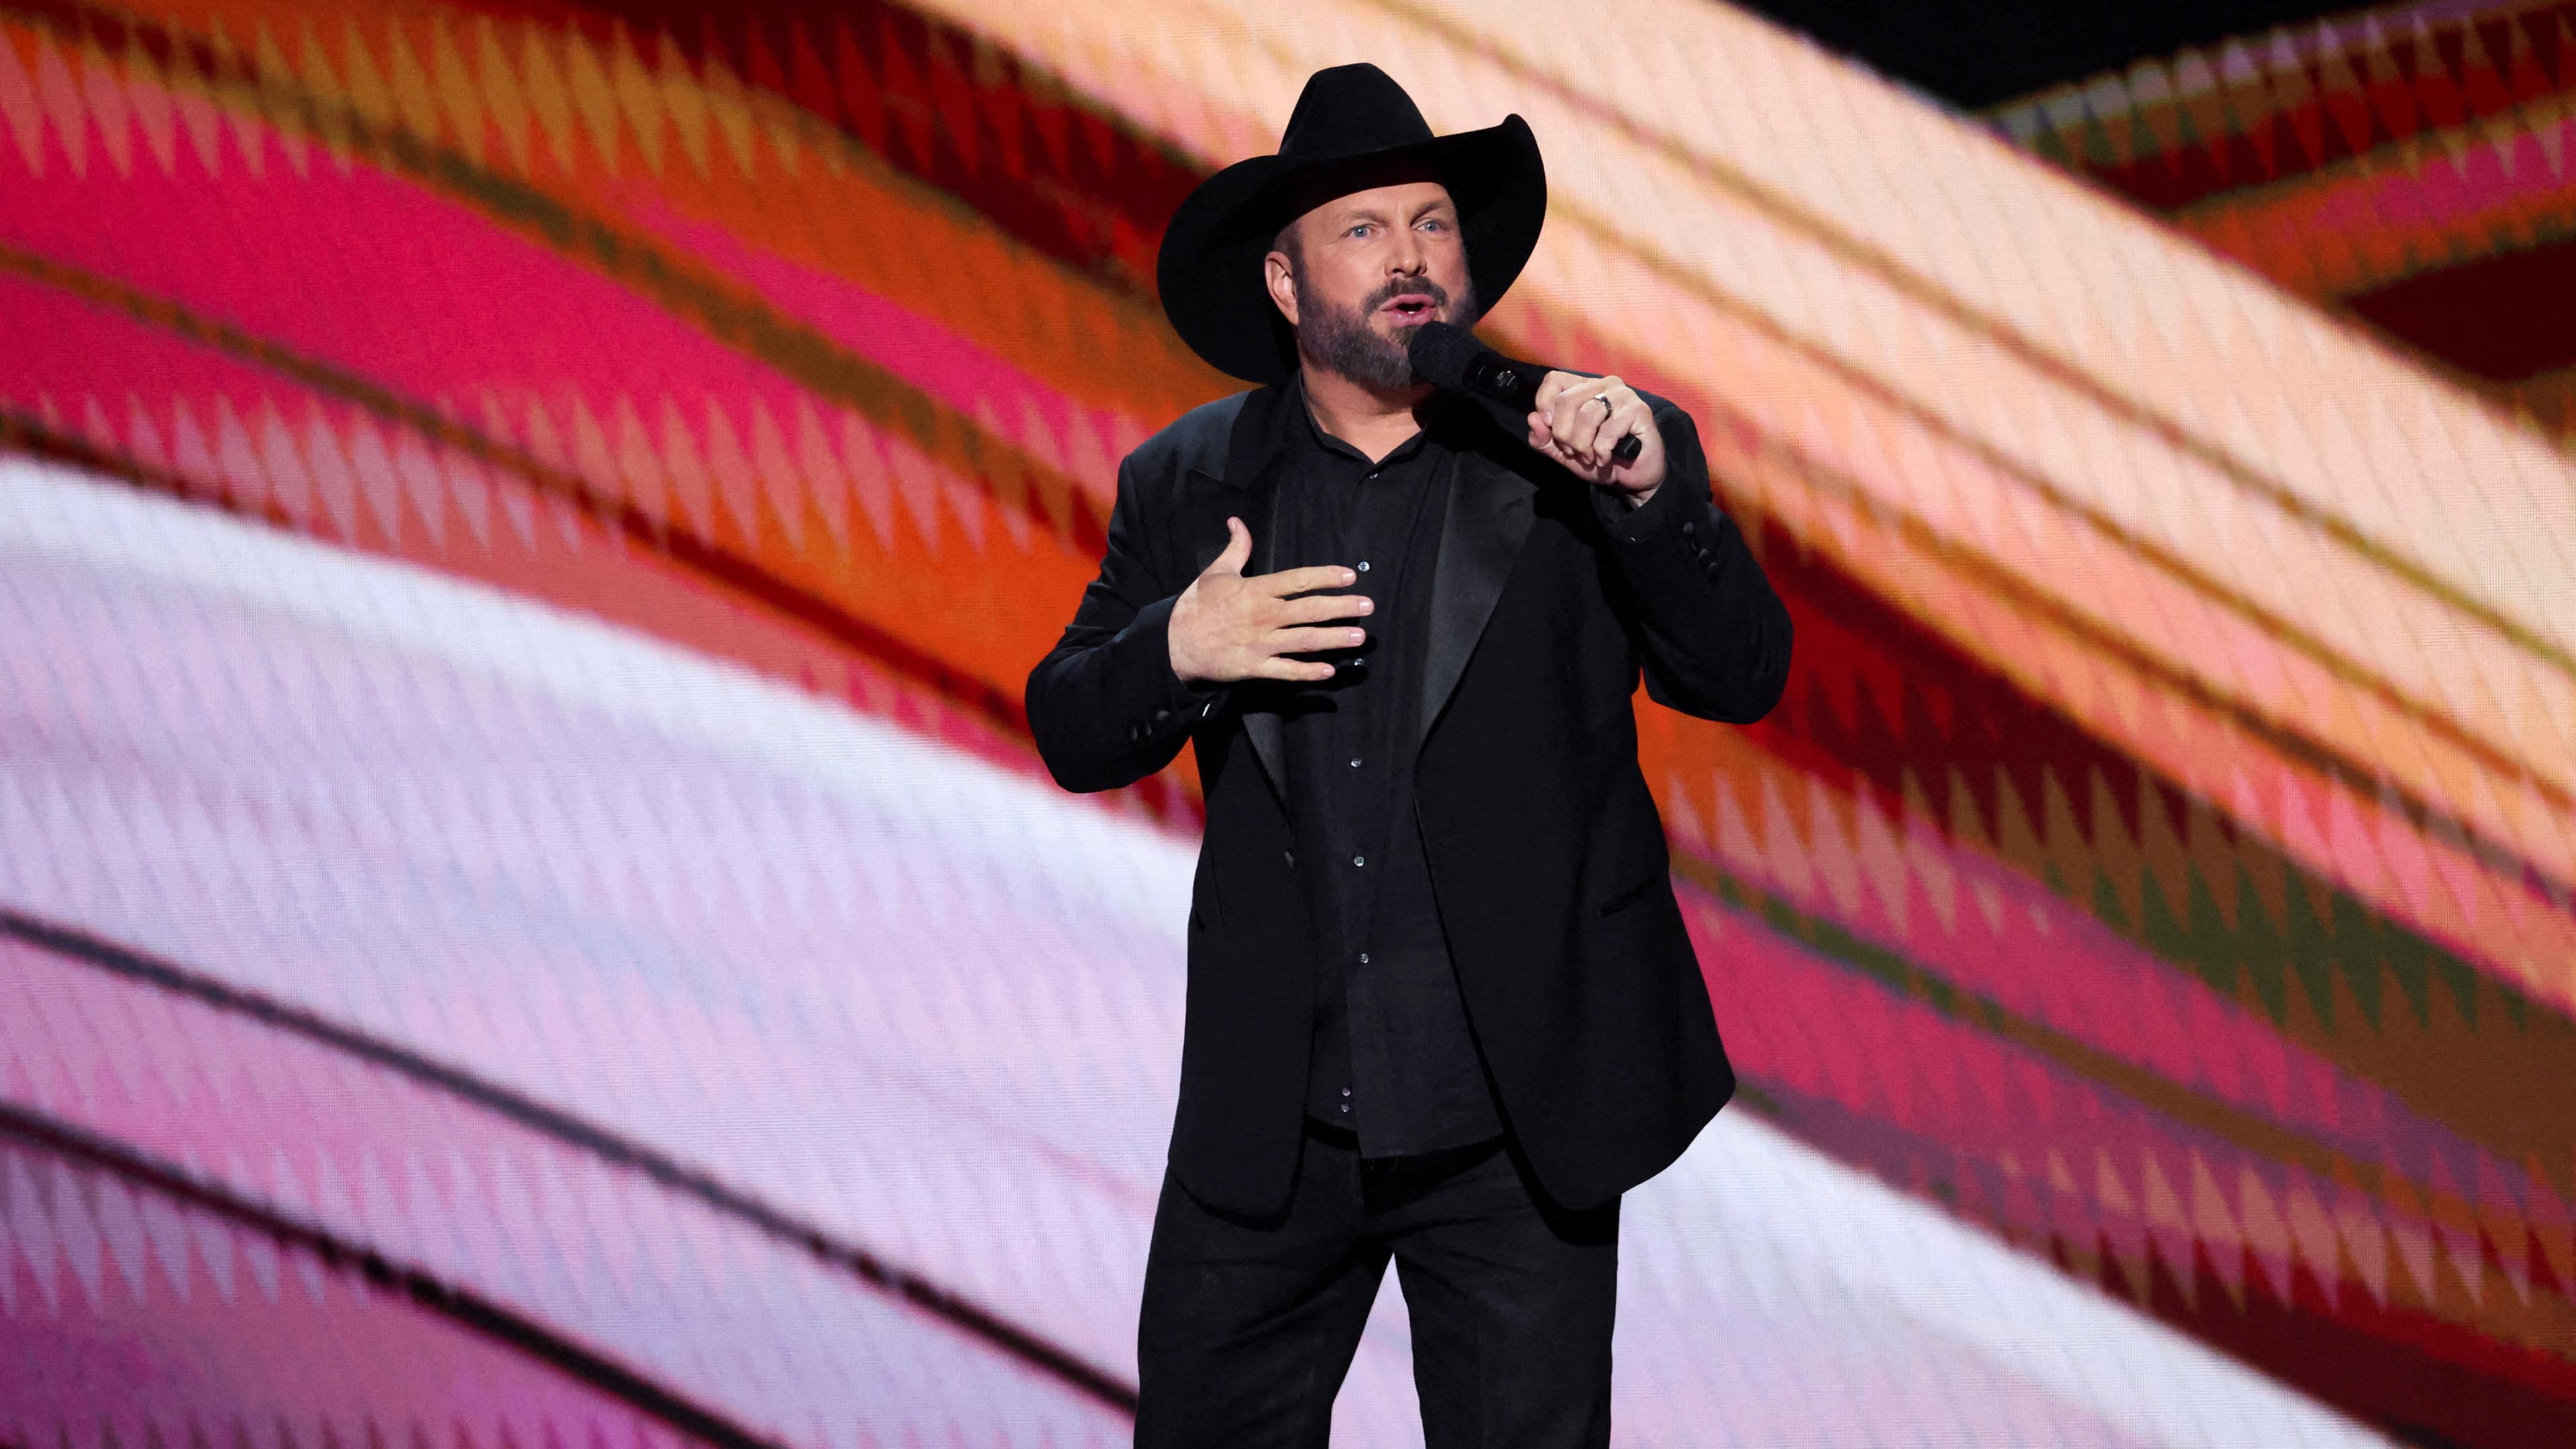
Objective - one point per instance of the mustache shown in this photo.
(1438, 294)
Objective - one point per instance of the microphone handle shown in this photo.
(1510, 380)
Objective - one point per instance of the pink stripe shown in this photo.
(1799, 1025)
(2003, 935)
(388, 281)
(919, 347)
(234, 432)
(2446, 191)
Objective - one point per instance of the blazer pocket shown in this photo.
(1630, 895)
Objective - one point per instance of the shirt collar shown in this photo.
(1437, 416)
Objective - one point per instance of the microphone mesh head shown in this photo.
(1440, 353)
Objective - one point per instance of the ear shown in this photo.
(1282, 284)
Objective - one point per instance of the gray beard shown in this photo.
(1340, 340)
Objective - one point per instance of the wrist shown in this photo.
(1187, 673)
(1176, 651)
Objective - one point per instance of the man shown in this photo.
(1441, 1003)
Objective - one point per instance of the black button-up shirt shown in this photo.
(1394, 1058)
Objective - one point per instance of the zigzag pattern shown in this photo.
(2160, 864)
(2409, 161)
(2245, 112)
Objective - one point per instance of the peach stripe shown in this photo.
(2058, 267)
(1979, 224)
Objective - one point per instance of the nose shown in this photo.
(1409, 258)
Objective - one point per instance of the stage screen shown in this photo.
(530, 915)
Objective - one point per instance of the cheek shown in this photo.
(1327, 291)
(1449, 269)
(1351, 288)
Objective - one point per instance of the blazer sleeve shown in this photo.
(1712, 635)
(1104, 705)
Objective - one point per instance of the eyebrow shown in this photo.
(1370, 213)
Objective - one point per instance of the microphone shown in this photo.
(1450, 357)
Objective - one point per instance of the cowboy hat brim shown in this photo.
(1209, 269)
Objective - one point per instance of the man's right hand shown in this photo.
(1226, 627)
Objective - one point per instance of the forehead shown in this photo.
(1408, 198)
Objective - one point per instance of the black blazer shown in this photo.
(1547, 856)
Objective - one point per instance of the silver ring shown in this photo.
(1603, 398)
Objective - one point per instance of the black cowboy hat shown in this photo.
(1353, 128)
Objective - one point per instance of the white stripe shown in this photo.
(1755, 1262)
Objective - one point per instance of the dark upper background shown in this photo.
(1978, 53)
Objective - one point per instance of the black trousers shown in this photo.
(1250, 1324)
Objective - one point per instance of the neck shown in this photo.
(1374, 420)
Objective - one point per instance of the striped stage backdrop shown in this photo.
(530, 917)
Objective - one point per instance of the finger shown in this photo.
(1237, 550)
(1607, 428)
(1301, 580)
(1280, 667)
(1540, 434)
(1575, 418)
(1560, 412)
(1582, 419)
(1577, 432)
(1549, 386)
(1313, 640)
(1633, 416)
(1316, 607)
(1589, 447)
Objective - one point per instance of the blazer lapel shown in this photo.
(1252, 451)
(1488, 518)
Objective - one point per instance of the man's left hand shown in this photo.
(1580, 419)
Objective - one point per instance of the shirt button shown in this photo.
(1346, 1106)
(1358, 860)
(1346, 1091)
(1363, 565)
(1355, 764)
(1364, 958)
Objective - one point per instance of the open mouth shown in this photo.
(1411, 307)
